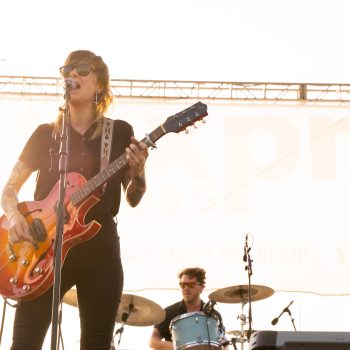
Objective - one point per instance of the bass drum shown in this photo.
(195, 330)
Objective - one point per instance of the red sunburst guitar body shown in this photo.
(26, 270)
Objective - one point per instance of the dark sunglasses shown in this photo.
(83, 69)
(189, 284)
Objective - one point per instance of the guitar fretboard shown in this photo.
(175, 123)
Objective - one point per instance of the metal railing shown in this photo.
(172, 89)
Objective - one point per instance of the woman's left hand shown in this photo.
(136, 154)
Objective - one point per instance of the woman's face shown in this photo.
(86, 83)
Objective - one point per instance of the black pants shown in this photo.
(96, 270)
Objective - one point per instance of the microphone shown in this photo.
(71, 83)
(245, 249)
(208, 307)
(286, 309)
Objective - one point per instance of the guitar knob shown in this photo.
(13, 280)
(186, 131)
(204, 121)
(25, 262)
(26, 288)
(38, 270)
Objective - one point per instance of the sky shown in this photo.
(225, 40)
(264, 165)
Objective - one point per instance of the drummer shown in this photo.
(192, 283)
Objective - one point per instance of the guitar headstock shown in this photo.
(180, 121)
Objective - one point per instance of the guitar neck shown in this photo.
(176, 123)
(112, 169)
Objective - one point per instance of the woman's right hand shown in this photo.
(19, 229)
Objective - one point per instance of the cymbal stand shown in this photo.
(125, 317)
(243, 318)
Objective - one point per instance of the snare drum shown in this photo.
(195, 330)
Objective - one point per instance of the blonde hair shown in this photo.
(104, 97)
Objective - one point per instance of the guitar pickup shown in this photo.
(38, 230)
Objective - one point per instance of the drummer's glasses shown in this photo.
(83, 69)
(188, 284)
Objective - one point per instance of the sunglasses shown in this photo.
(83, 69)
(189, 284)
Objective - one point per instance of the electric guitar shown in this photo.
(26, 269)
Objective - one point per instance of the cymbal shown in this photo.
(70, 298)
(133, 309)
(239, 294)
(138, 311)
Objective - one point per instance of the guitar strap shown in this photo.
(106, 143)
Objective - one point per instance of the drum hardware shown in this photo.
(239, 294)
(120, 330)
(248, 268)
(133, 311)
(243, 335)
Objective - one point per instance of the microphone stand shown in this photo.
(63, 170)
(125, 317)
(248, 268)
(292, 319)
(286, 309)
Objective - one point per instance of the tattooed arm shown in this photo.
(134, 181)
(18, 227)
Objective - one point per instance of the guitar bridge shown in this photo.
(10, 253)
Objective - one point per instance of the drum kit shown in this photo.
(196, 330)
(202, 330)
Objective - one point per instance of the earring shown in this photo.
(96, 97)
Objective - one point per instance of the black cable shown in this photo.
(3, 316)
(3, 319)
